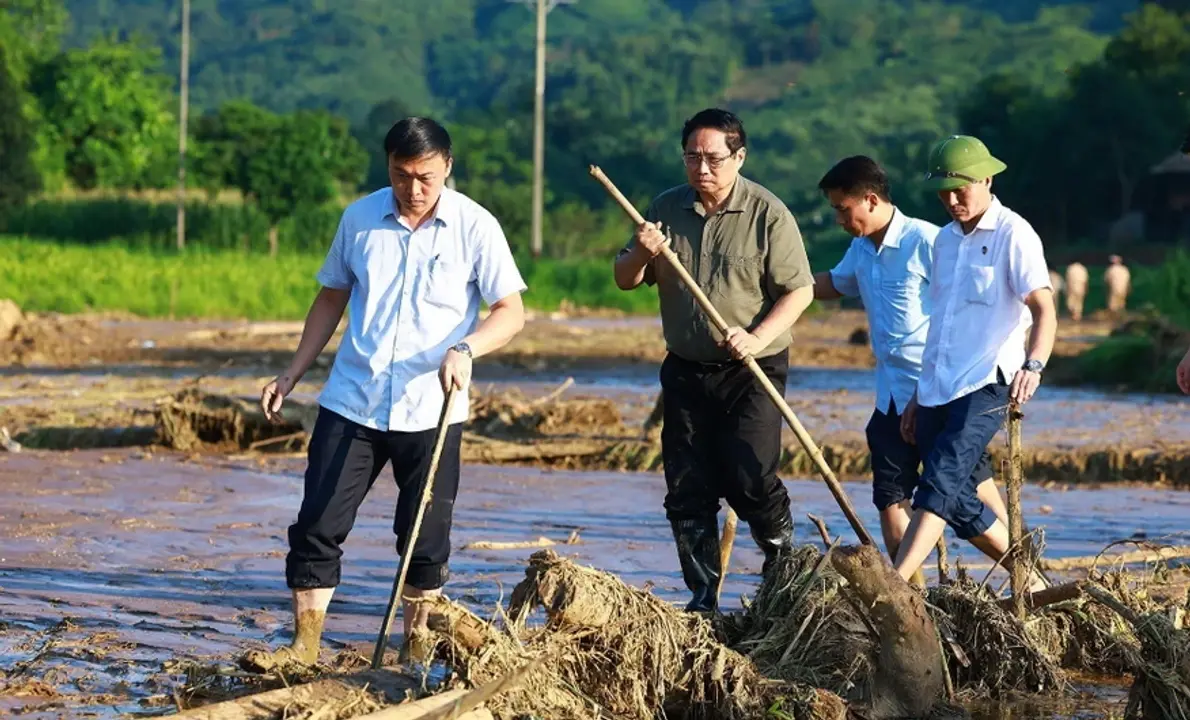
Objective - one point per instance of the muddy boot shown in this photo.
(698, 553)
(303, 651)
(775, 541)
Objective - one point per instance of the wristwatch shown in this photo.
(1034, 366)
(463, 348)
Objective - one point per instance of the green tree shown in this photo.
(1076, 156)
(18, 175)
(30, 31)
(109, 116)
(283, 163)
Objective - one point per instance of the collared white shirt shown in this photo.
(979, 321)
(414, 294)
(892, 281)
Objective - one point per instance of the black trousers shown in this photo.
(345, 458)
(721, 438)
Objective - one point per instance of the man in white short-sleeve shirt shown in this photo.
(412, 263)
(888, 265)
(992, 326)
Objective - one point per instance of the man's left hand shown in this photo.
(455, 370)
(741, 343)
(1024, 384)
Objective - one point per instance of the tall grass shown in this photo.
(50, 277)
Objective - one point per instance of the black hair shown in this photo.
(716, 119)
(416, 137)
(857, 175)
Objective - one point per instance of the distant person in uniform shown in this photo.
(1119, 283)
(720, 432)
(1077, 278)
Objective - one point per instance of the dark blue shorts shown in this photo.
(895, 462)
(952, 439)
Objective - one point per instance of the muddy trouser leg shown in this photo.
(344, 459)
(691, 502)
(750, 444)
(411, 453)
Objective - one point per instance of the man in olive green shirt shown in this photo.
(721, 433)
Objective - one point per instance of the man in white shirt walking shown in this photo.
(412, 262)
(888, 266)
(992, 327)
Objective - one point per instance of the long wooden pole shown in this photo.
(1020, 555)
(403, 568)
(803, 437)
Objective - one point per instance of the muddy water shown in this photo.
(114, 562)
(839, 401)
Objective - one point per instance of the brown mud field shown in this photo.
(123, 560)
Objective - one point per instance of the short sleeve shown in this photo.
(787, 265)
(335, 272)
(925, 249)
(1027, 270)
(496, 273)
(843, 274)
(650, 215)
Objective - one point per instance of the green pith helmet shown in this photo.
(960, 160)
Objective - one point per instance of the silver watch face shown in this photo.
(1034, 366)
(463, 348)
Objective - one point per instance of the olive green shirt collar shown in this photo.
(735, 202)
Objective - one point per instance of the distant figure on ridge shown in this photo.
(1076, 289)
(1119, 284)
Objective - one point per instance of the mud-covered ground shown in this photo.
(118, 562)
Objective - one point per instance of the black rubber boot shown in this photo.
(774, 541)
(698, 553)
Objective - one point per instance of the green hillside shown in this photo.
(814, 80)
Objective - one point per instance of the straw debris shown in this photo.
(1002, 655)
(614, 651)
(510, 414)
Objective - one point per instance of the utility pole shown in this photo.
(543, 9)
(183, 111)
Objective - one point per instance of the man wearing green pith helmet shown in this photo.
(992, 326)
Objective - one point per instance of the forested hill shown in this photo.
(348, 55)
(814, 79)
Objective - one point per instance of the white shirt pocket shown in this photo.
(981, 285)
(446, 284)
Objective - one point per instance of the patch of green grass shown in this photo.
(50, 277)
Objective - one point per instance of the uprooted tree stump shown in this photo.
(907, 678)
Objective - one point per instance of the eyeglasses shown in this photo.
(714, 162)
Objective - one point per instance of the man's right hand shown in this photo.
(273, 395)
(909, 421)
(649, 239)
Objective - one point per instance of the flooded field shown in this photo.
(118, 562)
(114, 563)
